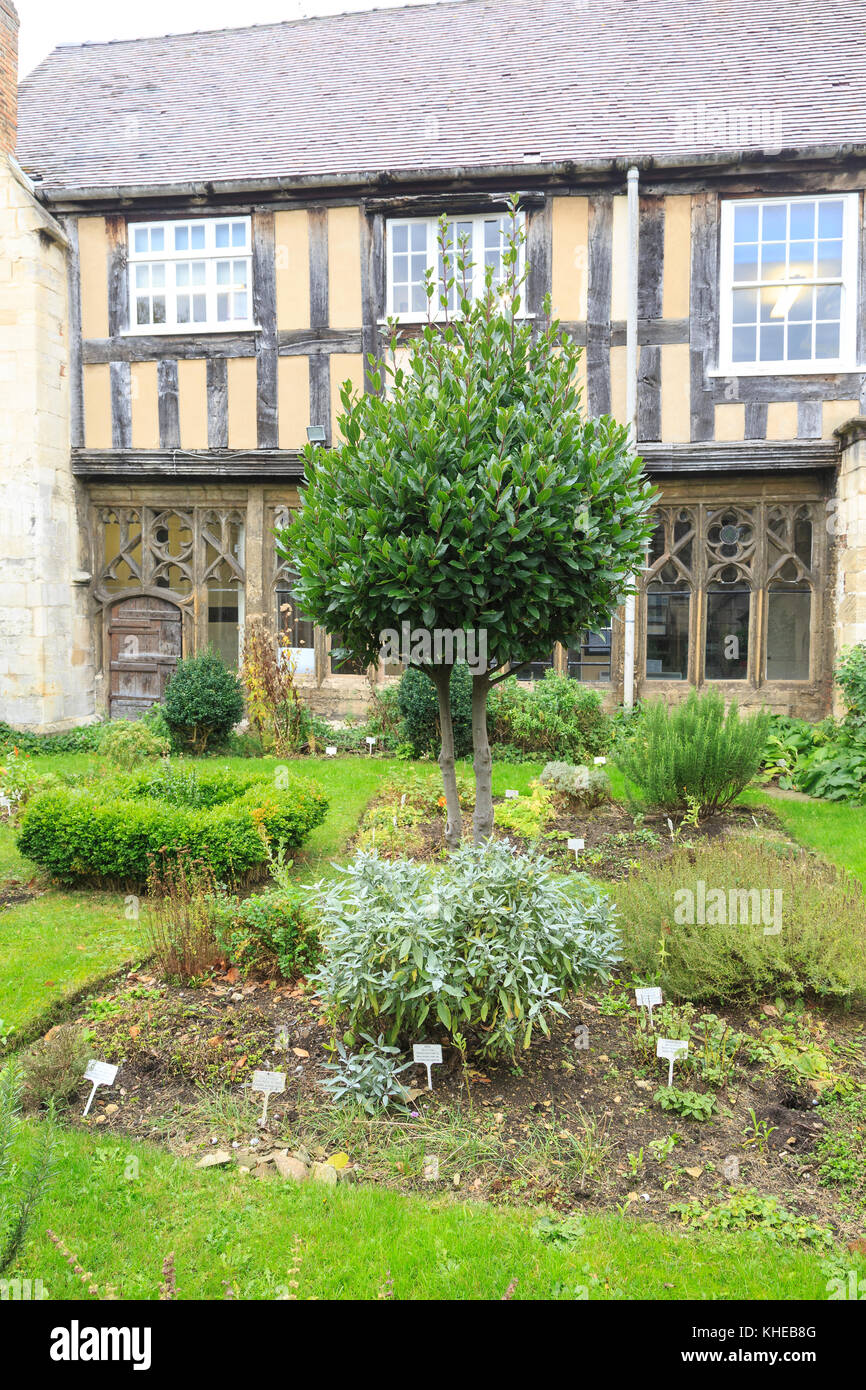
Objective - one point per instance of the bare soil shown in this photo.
(186, 1057)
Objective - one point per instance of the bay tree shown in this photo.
(470, 494)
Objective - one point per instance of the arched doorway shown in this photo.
(144, 638)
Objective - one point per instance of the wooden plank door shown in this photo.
(144, 637)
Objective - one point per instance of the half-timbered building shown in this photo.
(238, 213)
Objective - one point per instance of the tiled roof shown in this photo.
(452, 85)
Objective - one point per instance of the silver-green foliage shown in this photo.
(588, 785)
(492, 942)
(367, 1077)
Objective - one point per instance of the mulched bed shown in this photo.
(613, 840)
(171, 1043)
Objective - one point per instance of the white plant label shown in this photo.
(331, 752)
(647, 999)
(428, 1054)
(271, 1082)
(100, 1074)
(511, 794)
(371, 744)
(576, 845)
(599, 762)
(671, 1048)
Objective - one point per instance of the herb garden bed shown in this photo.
(407, 817)
(569, 1125)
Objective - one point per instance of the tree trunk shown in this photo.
(441, 677)
(482, 821)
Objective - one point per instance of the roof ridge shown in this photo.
(272, 24)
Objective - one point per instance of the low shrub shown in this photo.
(85, 739)
(557, 716)
(268, 932)
(53, 1070)
(491, 942)
(587, 787)
(419, 707)
(692, 753)
(850, 676)
(128, 742)
(203, 701)
(368, 1077)
(109, 833)
(677, 930)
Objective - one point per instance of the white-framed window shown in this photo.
(789, 285)
(190, 277)
(413, 248)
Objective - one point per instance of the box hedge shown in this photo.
(107, 834)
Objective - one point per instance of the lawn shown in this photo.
(833, 828)
(121, 1218)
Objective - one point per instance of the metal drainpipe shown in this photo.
(631, 411)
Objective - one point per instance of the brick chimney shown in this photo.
(8, 76)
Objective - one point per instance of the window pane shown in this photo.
(181, 238)
(745, 306)
(590, 660)
(726, 656)
(745, 262)
(142, 311)
(221, 234)
(341, 663)
(830, 220)
(829, 258)
(774, 223)
(159, 308)
(746, 223)
(802, 221)
(197, 240)
(826, 340)
(789, 617)
(141, 238)
(667, 635)
(157, 239)
(799, 342)
(744, 344)
(535, 671)
(223, 622)
(400, 238)
(772, 343)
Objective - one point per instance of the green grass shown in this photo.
(121, 1219)
(835, 829)
(56, 945)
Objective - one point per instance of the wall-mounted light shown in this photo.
(315, 434)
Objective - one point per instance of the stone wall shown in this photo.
(46, 672)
